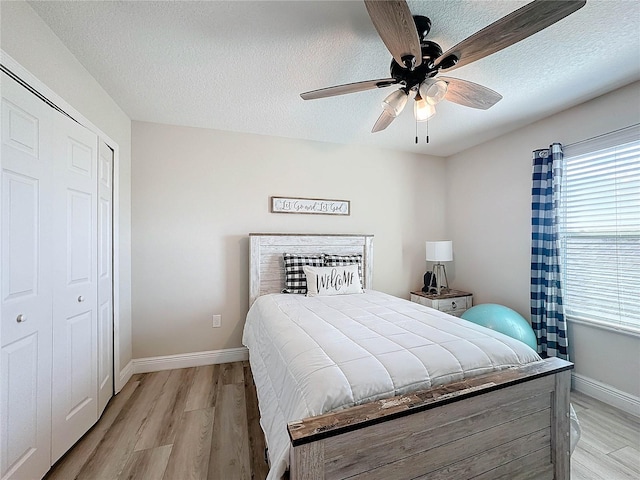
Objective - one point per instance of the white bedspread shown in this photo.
(310, 355)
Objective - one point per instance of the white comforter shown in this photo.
(310, 355)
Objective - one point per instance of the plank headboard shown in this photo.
(266, 266)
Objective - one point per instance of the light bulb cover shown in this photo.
(433, 91)
(395, 102)
(422, 110)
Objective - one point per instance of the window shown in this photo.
(600, 229)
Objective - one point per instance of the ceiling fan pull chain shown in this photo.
(416, 132)
(427, 131)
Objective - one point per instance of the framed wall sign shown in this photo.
(310, 205)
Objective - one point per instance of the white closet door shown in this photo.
(75, 336)
(25, 354)
(105, 276)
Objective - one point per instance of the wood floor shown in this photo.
(202, 423)
(609, 448)
(192, 423)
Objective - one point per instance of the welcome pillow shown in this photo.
(326, 281)
(331, 260)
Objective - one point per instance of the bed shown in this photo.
(339, 399)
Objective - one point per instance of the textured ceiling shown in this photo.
(240, 66)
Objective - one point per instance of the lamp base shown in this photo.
(441, 278)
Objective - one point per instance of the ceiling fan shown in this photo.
(417, 62)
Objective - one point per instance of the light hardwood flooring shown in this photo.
(202, 423)
(609, 448)
(192, 423)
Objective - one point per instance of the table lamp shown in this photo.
(438, 252)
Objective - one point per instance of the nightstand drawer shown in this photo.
(453, 302)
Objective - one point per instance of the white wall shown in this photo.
(29, 41)
(489, 221)
(198, 193)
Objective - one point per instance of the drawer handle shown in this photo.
(21, 318)
(453, 304)
(80, 299)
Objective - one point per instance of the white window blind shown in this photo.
(600, 229)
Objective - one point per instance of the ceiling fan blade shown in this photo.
(348, 88)
(516, 26)
(470, 94)
(394, 23)
(384, 120)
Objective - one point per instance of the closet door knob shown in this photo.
(80, 299)
(21, 318)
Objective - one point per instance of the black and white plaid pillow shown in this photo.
(342, 260)
(295, 280)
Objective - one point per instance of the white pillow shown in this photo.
(325, 281)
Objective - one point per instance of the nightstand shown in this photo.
(453, 302)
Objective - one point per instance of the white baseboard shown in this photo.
(186, 360)
(607, 394)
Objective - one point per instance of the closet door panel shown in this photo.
(79, 237)
(105, 276)
(25, 285)
(75, 346)
(21, 129)
(21, 201)
(79, 357)
(20, 409)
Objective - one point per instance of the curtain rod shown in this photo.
(601, 135)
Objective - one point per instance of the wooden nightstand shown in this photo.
(453, 302)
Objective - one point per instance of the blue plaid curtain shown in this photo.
(547, 312)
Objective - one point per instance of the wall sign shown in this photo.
(310, 205)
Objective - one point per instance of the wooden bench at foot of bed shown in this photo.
(512, 424)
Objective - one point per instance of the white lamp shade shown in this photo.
(423, 111)
(440, 251)
(395, 102)
(433, 91)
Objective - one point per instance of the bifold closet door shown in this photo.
(75, 333)
(25, 351)
(105, 276)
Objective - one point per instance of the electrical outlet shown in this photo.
(217, 321)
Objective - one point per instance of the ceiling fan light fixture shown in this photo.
(417, 61)
(395, 102)
(433, 91)
(423, 110)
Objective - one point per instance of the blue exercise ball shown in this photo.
(504, 320)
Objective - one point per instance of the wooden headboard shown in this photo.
(266, 265)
